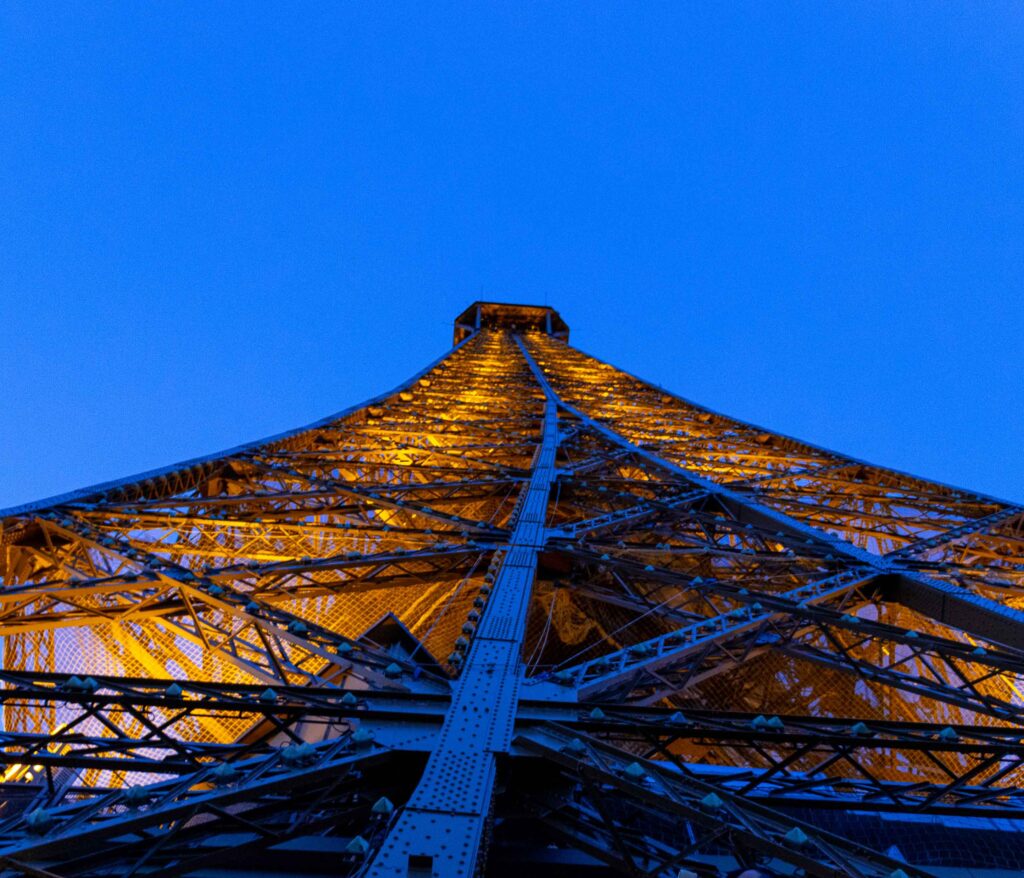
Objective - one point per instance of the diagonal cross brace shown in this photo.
(943, 601)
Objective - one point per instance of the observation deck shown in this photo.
(514, 318)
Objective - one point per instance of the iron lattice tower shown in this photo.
(525, 613)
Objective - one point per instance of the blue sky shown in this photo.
(220, 221)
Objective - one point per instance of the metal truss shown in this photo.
(526, 611)
(712, 817)
(810, 761)
(212, 816)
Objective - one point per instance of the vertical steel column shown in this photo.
(440, 832)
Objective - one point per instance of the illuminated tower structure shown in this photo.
(525, 614)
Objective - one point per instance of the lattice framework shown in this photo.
(524, 609)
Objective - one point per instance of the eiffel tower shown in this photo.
(525, 613)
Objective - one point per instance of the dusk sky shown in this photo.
(218, 222)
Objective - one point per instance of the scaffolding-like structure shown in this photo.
(525, 613)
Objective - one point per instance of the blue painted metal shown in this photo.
(442, 828)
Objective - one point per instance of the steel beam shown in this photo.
(443, 827)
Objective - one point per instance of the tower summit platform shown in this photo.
(515, 318)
